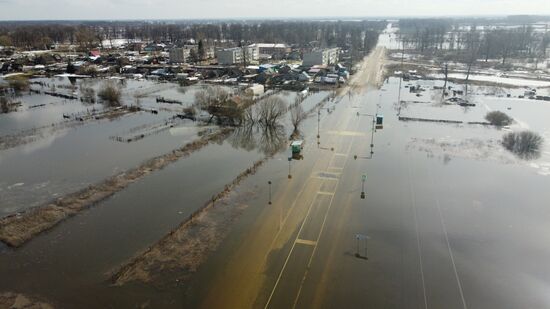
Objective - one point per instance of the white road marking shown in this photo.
(413, 201)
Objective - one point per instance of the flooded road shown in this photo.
(442, 229)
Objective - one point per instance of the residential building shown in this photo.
(179, 55)
(321, 57)
(231, 56)
(272, 49)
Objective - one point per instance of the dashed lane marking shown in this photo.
(306, 242)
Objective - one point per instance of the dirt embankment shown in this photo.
(19, 228)
(10, 300)
(180, 253)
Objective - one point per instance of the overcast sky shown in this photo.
(194, 9)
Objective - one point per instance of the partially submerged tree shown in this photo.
(297, 115)
(110, 93)
(270, 110)
(525, 144)
(498, 118)
(219, 103)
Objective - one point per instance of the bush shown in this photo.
(19, 83)
(110, 93)
(4, 105)
(525, 144)
(90, 70)
(190, 111)
(498, 118)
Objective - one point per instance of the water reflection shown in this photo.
(266, 139)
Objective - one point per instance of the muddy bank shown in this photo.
(31, 135)
(9, 300)
(19, 228)
(175, 257)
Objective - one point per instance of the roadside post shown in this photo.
(289, 173)
(269, 183)
(363, 179)
(361, 241)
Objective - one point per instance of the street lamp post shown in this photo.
(371, 135)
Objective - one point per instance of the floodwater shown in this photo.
(70, 159)
(475, 217)
(496, 228)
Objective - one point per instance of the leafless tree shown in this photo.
(211, 96)
(219, 103)
(297, 115)
(271, 110)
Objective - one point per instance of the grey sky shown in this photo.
(191, 9)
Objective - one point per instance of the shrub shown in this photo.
(498, 118)
(19, 83)
(110, 93)
(525, 144)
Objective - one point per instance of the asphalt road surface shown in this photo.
(327, 247)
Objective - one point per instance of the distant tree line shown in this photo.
(480, 39)
(361, 35)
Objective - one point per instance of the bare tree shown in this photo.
(220, 104)
(297, 115)
(271, 110)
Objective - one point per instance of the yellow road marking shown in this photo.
(306, 242)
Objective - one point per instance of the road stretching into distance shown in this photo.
(302, 251)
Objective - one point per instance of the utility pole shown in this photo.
(446, 72)
(401, 79)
